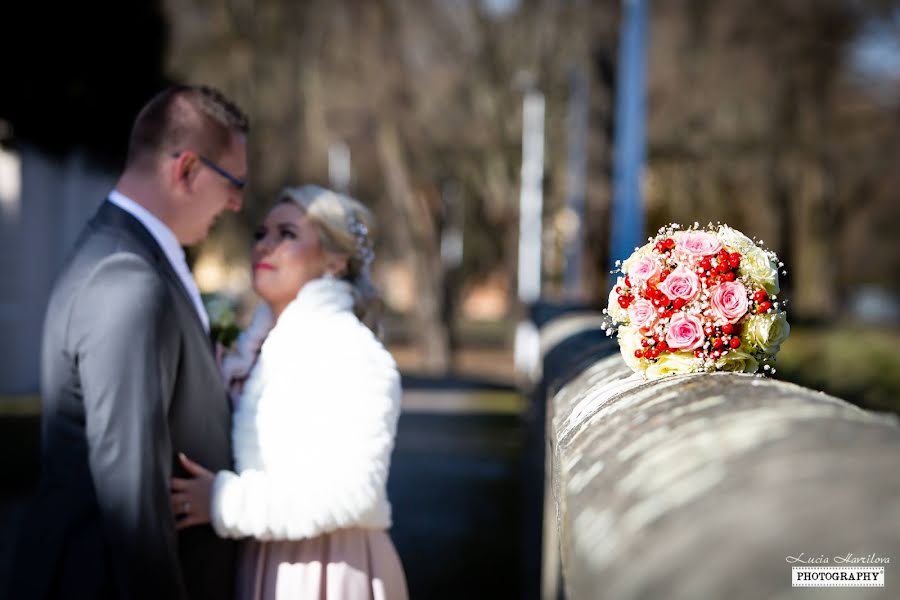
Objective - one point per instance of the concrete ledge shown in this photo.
(701, 486)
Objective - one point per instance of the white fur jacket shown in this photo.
(314, 428)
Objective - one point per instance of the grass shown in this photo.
(860, 364)
(22, 405)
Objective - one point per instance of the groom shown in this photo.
(129, 379)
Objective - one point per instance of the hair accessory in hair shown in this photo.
(361, 232)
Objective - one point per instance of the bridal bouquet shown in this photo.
(698, 300)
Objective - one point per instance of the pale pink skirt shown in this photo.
(348, 564)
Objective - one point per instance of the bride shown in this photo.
(315, 420)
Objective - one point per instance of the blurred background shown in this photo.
(780, 118)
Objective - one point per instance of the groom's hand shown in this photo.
(190, 498)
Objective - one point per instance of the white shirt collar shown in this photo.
(160, 232)
(169, 244)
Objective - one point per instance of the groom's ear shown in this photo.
(181, 172)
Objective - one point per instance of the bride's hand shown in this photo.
(190, 498)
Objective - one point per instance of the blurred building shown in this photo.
(45, 203)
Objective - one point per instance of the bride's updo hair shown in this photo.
(345, 226)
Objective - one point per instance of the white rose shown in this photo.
(735, 239)
(618, 314)
(767, 332)
(757, 266)
(672, 363)
(736, 361)
(629, 341)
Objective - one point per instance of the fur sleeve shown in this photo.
(326, 434)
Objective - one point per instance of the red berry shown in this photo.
(760, 295)
(698, 353)
(709, 330)
(663, 275)
(618, 289)
(666, 314)
(764, 306)
(627, 281)
(718, 343)
(638, 354)
(670, 243)
(678, 303)
(645, 342)
(705, 264)
(729, 276)
(722, 267)
(728, 328)
(735, 342)
(623, 302)
(734, 263)
(662, 346)
(660, 247)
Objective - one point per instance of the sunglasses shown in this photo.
(235, 181)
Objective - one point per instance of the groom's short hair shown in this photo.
(184, 117)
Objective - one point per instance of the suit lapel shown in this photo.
(111, 215)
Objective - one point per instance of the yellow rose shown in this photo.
(629, 341)
(757, 265)
(619, 314)
(672, 363)
(767, 332)
(736, 361)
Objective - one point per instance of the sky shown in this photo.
(877, 52)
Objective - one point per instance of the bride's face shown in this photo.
(288, 253)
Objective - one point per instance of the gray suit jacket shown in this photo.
(128, 381)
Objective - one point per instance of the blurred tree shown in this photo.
(756, 117)
(421, 92)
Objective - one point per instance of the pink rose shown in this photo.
(729, 301)
(643, 314)
(643, 269)
(698, 243)
(681, 283)
(685, 332)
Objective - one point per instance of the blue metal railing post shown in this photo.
(627, 219)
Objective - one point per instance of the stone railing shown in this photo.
(705, 486)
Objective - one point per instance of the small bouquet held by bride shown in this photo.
(698, 300)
